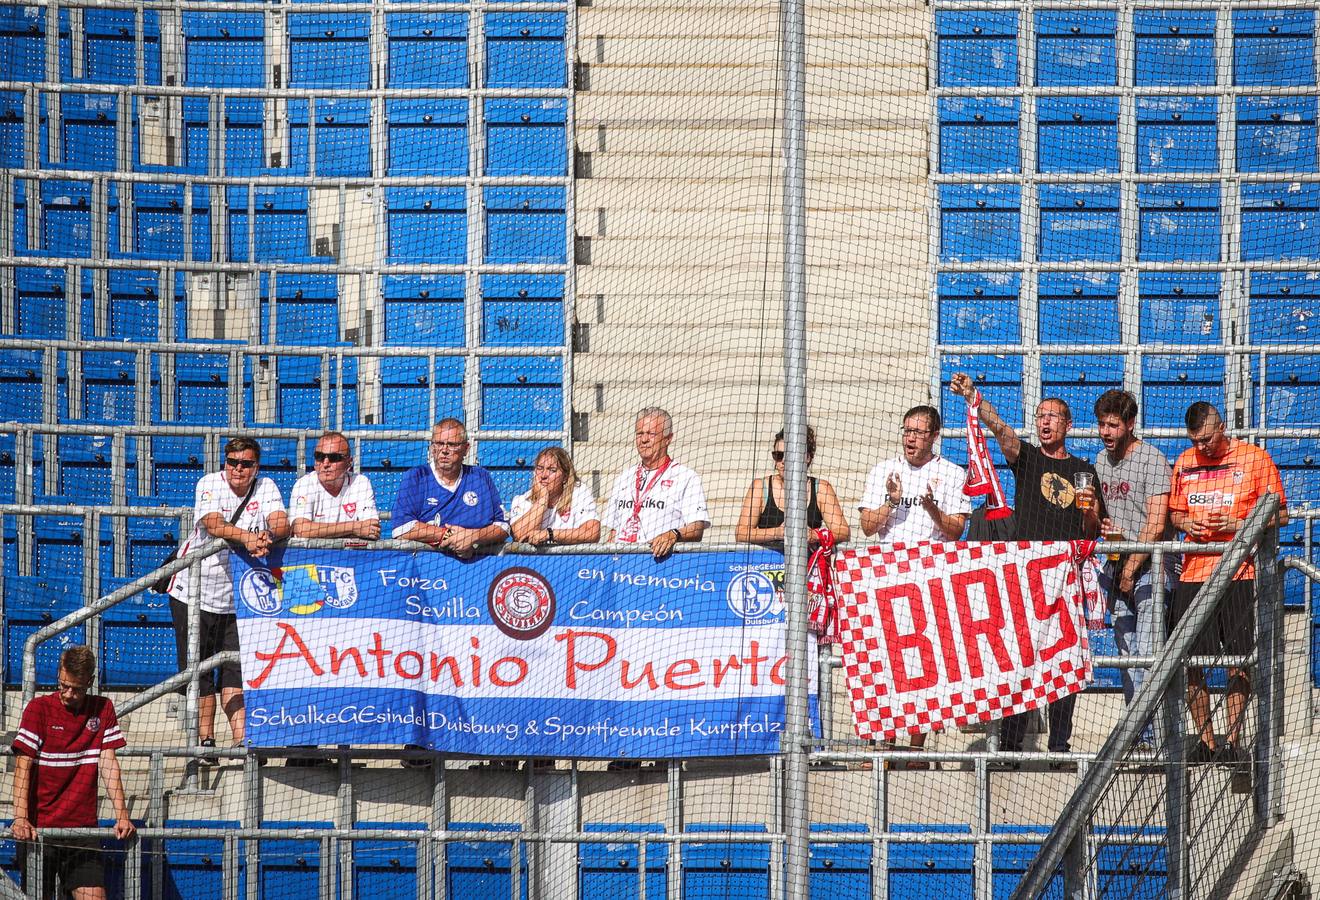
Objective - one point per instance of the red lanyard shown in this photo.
(638, 493)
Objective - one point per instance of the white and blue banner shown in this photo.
(599, 655)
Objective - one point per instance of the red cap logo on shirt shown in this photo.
(94, 724)
(350, 509)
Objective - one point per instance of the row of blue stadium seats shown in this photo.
(1173, 308)
(1174, 222)
(331, 50)
(420, 136)
(609, 870)
(1080, 135)
(300, 310)
(272, 224)
(1083, 47)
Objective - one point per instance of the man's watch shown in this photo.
(892, 503)
(549, 535)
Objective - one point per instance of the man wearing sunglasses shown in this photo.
(261, 522)
(333, 501)
(448, 504)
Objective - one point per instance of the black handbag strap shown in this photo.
(242, 504)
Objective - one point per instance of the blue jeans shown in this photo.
(1136, 630)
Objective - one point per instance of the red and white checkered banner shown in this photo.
(940, 634)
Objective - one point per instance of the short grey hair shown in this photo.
(655, 412)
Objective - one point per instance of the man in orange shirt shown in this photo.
(1216, 483)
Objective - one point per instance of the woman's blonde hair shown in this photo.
(565, 462)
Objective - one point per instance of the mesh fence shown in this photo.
(325, 228)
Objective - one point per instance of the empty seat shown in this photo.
(58, 548)
(1076, 47)
(1292, 542)
(1009, 862)
(151, 540)
(1297, 461)
(1170, 384)
(66, 218)
(510, 464)
(280, 232)
(999, 378)
(1284, 307)
(31, 603)
(526, 137)
(292, 868)
(305, 392)
(40, 307)
(977, 48)
(484, 868)
(978, 309)
(385, 463)
(979, 135)
(86, 472)
(329, 50)
(1280, 221)
(195, 867)
(1102, 644)
(1276, 134)
(23, 43)
(11, 128)
(386, 868)
(306, 310)
(522, 392)
(1274, 47)
(839, 870)
(22, 383)
(941, 869)
(249, 149)
(1079, 222)
(1079, 380)
(424, 310)
(1292, 391)
(609, 871)
(522, 310)
(8, 468)
(526, 225)
(427, 225)
(409, 386)
(224, 49)
(1178, 223)
(1078, 308)
(980, 222)
(1077, 134)
(722, 869)
(1174, 47)
(137, 641)
(110, 46)
(343, 137)
(177, 464)
(134, 313)
(526, 50)
(87, 132)
(427, 137)
(1126, 868)
(427, 49)
(1177, 134)
(1180, 307)
(201, 389)
(110, 386)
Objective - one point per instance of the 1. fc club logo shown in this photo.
(522, 603)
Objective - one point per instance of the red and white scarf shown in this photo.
(981, 476)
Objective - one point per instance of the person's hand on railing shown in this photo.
(124, 827)
(22, 829)
(368, 530)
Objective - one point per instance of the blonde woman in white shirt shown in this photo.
(559, 509)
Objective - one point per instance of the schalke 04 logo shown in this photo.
(752, 595)
(303, 589)
(521, 603)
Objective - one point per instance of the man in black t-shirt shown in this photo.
(1047, 507)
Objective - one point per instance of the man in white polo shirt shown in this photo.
(658, 501)
(333, 501)
(917, 496)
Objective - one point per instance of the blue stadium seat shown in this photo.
(109, 47)
(1080, 380)
(721, 869)
(426, 225)
(109, 388)
(980, 222)
(23, 43)
(608, 871)
(40, 307)
(979, 135)
(1076, 47)
(977, 48)
(66, 218)
(1125, 868)
(192, 153)
(306, 310)
(484, 868)
(137, 640)
(1177, 134)
(87, 132)
(1179, 307)
(427, 137)
(427, 49)
(510, 464)
(1284, 307)
(385, 463)
(525, 50)
(86, 474)
(281, 230)
(979, 309)
(522, 310)
(526, 137)
(931, 870)
(1276, 134)
(1178, 223)
(21, 384)
(999, 378)
(290, 869)
(1077, 134)
(1274, 47)
(11, 127)
(305, 396)
(177, 464)
(201, 389)
(1174, 47)
(329, 50)
(1078, 308)
(839, 870)
(194, 867)
(1280, 221)
(343, 137)
(407, 385)
(1102, 644)
(526, 225)
(1292, 542)
(224, 50)
(1296, 459)
(1170, 384)
(58, 548)
(423, 310)
(31, 603)
(1079, 222)
(279, 462)
(8, 468)
(1009, 862)
(522, 392)
(1292, 391)
(134, 306)
(158, 222)
(387, 868)
(247, 150)
(150, 540)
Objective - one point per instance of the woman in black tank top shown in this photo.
(762, 518)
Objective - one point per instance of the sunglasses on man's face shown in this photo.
(330, 457)
(234, 463)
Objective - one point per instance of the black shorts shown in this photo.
(77, 862)
(1232, 628)
(219, 632)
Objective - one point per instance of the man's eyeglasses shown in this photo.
(75, 689)
(915, 432)
(449, 445)
(235, 463)
(329, 457)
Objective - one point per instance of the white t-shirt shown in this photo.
(673, 500)
(581, 510)
(910, 522)
(310, 501)
(214, 495)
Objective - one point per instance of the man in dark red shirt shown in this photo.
(64, 739)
